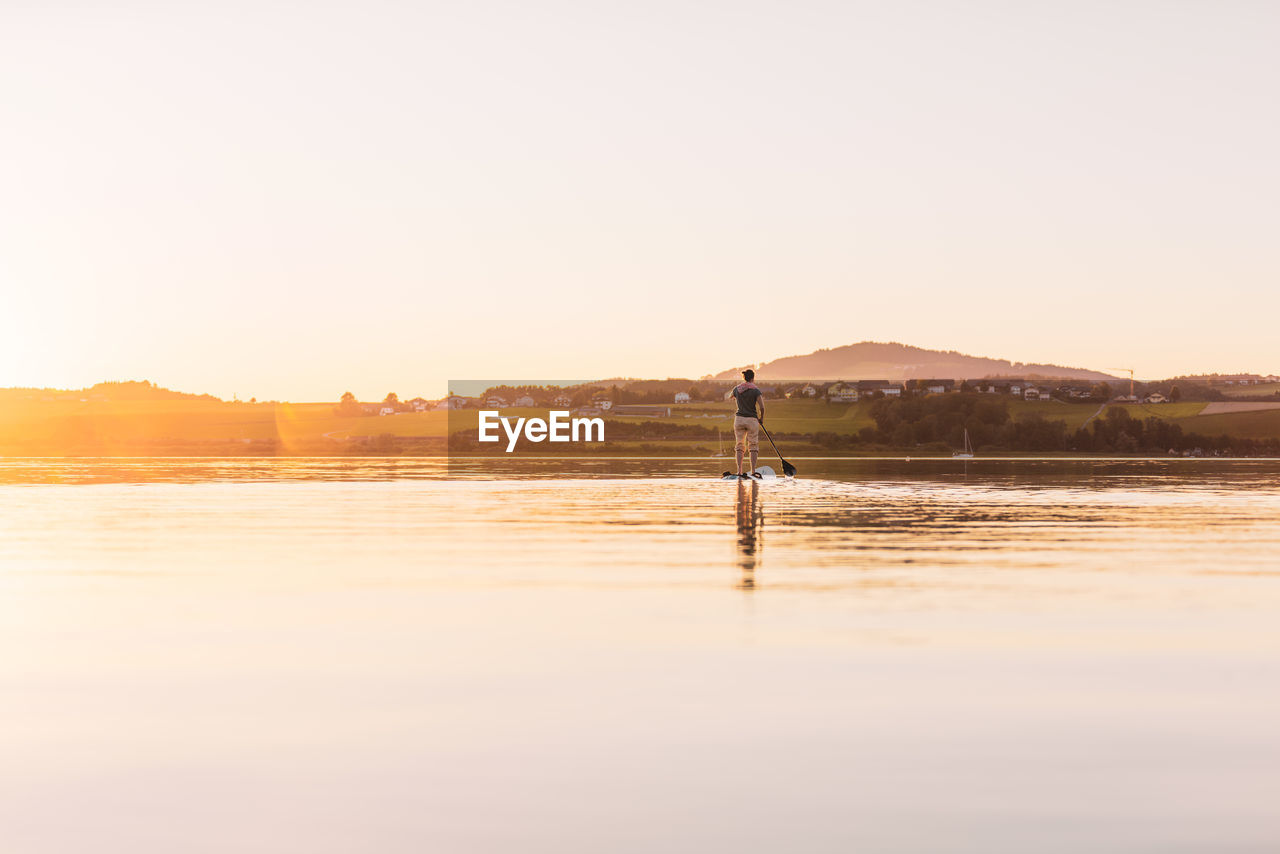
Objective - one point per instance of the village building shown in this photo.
(933, 386)
(1229, 379)
(842, 393)
(682, 397)
(525, 401)
(866, 387)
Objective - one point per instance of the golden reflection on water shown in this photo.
(281, 655)
(750, 534)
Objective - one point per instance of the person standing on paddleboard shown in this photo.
(747, 420)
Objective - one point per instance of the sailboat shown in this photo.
(967, 453)
(720, 453)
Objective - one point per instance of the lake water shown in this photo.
(383, 655)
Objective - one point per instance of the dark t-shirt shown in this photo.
(747, 395)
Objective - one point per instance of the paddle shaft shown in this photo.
(785, 465)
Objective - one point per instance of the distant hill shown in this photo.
(127, 390)
(872, 360)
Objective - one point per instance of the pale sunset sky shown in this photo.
(290, 200)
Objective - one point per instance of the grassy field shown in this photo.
(1167, 411)
(201, 426)
(781, 416)
(1261, 390)
(1262, 424)
(1073, 414)
(111, 425)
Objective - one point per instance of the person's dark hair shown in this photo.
(748, 375)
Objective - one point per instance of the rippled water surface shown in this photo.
(380, 655)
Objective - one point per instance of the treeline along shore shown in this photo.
(671, 417)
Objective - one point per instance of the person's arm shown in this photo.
(760, 406)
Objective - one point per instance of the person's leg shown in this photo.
(753, 444)
(755, 457)
(741, 434)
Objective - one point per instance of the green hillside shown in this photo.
(77, 426)
(1259, 424)
(1262, 424)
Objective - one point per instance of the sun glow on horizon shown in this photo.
(503, 191)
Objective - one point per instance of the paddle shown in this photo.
(787, 469)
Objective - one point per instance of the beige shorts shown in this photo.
(747, 431)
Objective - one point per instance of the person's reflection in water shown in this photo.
(750, 523)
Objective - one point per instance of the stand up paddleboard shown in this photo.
(764, 472)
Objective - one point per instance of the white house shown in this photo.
(604, 404)
(562, 400)
(1156, 397)
(892, 391)
(387, 410)
(419, 404)
(524, 401)
(682, 397)
(495, 402)
(842, 393)
(809, 391)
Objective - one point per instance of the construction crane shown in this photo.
(1130, 370)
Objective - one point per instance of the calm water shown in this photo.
(388, 656)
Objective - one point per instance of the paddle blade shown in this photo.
(788, 469)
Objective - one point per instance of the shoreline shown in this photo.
(1011, 456)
